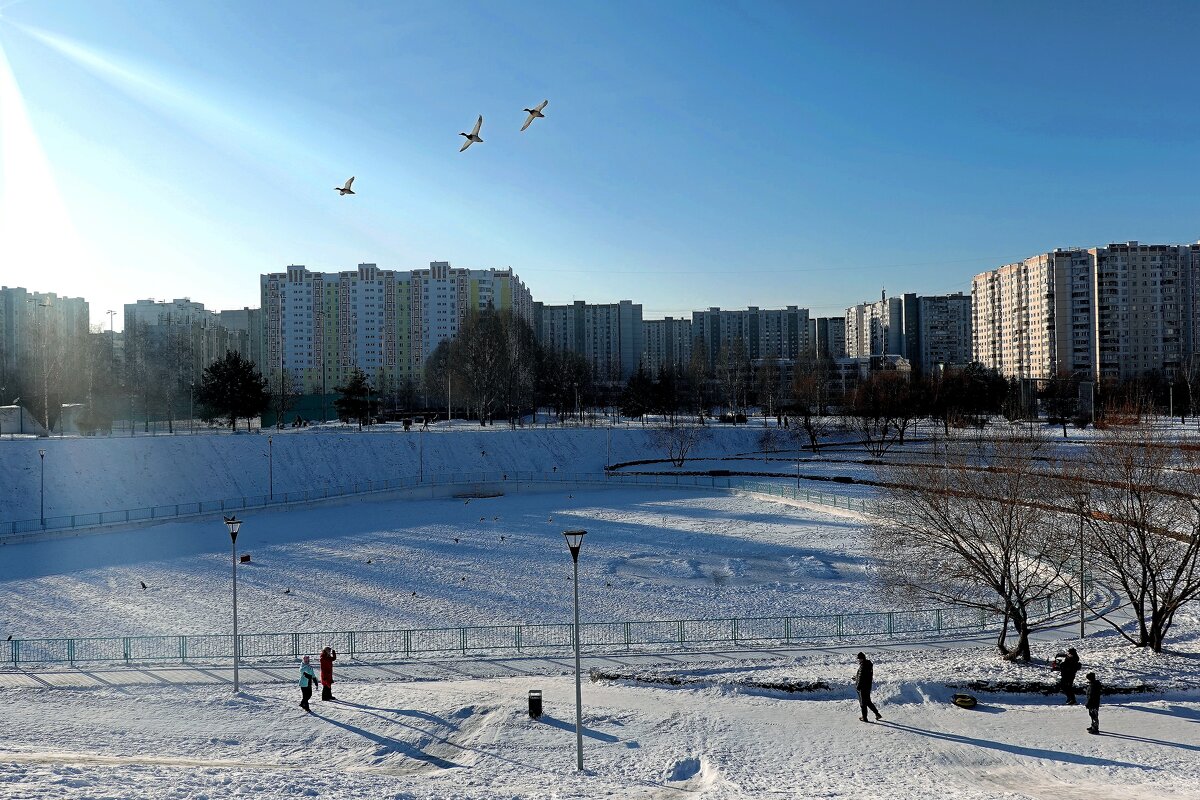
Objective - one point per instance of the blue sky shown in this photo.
(693, 154)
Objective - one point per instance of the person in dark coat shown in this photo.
(862, 683)
(1093, 702)
(307, 679)
(328, 656)
(1068, 668)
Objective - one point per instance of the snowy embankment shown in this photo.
(86, 475)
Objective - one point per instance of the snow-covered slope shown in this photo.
(87, 475)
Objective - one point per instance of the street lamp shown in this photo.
(234, 524)
(42, 456)
(270, 469)
(574, 543)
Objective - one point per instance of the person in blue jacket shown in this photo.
(308, 679)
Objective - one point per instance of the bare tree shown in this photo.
(1141, 503)
(808, 399)
(881, 407)
(973, 535)
(733, 370)
(768, 386)
(677, 440)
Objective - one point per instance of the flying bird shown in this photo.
(344, 190)
(473, 136)
(534, 113)
(143, 583)
(9, 639)
(287, 591)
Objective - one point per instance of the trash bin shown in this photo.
(535, 703)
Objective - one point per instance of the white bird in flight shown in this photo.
(473, 136)
(345, 190)
(534, 113)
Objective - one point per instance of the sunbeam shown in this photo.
(36, 231)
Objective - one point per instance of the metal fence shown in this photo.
(516, 639)
(298, 496)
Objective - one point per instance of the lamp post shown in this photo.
(574, 543)
(270, 469)
(234, 524)
(42, 457)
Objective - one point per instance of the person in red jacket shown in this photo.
(328, 656)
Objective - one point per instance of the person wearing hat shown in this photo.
(1068, 668)
(862, 683)
(308, 678)
(1093, 702)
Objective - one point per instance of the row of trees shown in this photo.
(1003, 525)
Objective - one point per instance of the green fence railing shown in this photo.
(516, 639)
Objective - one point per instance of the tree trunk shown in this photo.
(1021, 651)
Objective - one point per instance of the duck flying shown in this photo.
(534, 113)
(344, 190)
(473, 136)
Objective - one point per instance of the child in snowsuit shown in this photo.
(1093, 702)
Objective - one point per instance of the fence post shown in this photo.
(937, 616)
(839, 626)
(351, 636)
(71, 652)
(519, 627)
(681, 633)
(182, 649)
(125, 642)
(462, 639)
(891, 622)
(16, 650)
(407, 643)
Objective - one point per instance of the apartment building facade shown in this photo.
(318, 327)
(608, 335)
(666, 344)
(37, 327)
(1102, 313)
(781, 334)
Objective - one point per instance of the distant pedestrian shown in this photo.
(1068, 668)
(862, 683)
(328, 656)
(1093, 702)
(308, 679)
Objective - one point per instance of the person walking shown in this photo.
(862, 683)
(1068, 668)
(1093, 702)
(328, 656)
(308, 679)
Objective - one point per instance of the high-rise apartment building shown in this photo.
(937, 331)
(244, 326)
(875, 329)
(608, 335)
(37, 327)
(1112, 312)
(782, 334)
(829, 333)
(318, 327)
(179, 334)
(666, 343)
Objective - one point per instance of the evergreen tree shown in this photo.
(232, 388)
(355, 400)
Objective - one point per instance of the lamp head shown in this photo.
(574, 541)
(42, 453)
(234, 524)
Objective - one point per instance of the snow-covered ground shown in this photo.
(439, 730)
(677, 554)
(471, 738)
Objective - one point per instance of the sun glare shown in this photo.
(36, 231)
